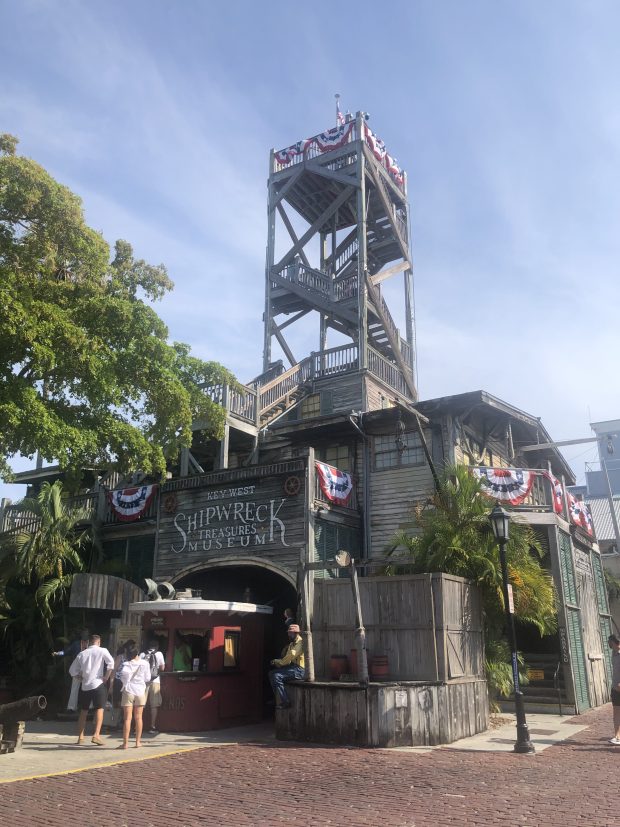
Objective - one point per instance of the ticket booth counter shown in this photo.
(214, 661)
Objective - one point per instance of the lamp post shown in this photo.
(500, 521)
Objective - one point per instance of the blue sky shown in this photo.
(160, 115)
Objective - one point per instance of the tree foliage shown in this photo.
(87, 375)
(453, 535)
(45, 553)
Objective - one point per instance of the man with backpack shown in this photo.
(157, 664)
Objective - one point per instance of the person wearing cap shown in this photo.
(289, 667)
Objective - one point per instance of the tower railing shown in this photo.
(321, 364)
(309, 148)
(386, 371)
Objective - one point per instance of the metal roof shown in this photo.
(199, 605)
(601, 516)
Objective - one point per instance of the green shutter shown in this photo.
(603, 607)
(566, 567)
(605, 632)
(599, 580)
(329, 539)
(578, 659)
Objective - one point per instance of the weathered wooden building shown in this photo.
(251, 516)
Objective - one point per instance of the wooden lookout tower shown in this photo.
(338, 228)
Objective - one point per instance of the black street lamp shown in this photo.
(500, 521)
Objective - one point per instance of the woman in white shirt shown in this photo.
(135, 673)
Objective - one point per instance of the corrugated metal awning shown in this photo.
(601, 516)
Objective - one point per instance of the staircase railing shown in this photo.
(386, 371)
(344, 256)
(335, 360)
(345, 288)
(308, 277)
(242, 402)
(388, 321)
(284, 384)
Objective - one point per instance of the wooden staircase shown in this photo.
(545, 691)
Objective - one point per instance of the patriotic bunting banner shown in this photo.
(336, 485)
(337, 137)
(558, 492)
(509, 485)
(326, 141)
(512, 485)
(580, 514)
(130, 503)
(378, 149)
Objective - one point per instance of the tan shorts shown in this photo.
(127, 699)
(153, 694)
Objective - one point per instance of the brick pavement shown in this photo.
(572, 783)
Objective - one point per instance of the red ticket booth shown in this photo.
(214, 661)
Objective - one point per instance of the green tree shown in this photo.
(453, 535)
(46, 553)
(87, 375)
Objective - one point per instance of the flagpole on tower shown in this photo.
(339, 118)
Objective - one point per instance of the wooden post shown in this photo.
(307, 575)
(306, 634)
(269, 255)
(362, 264)
(360, 632)
(184, 463)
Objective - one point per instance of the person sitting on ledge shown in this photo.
(289, 667)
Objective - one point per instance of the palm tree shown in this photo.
(46, 554)
(452, 534)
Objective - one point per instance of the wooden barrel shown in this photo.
(338, 665)
(379, 667)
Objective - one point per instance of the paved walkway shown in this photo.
(244, 777)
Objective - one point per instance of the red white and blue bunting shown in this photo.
(557, 492)
(378, 149)
(325, 142)
(512, 485)
(509, 485)
(130, 503)
(336, 485)
(580, 514)
(334, 139)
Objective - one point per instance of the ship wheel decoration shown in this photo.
(292, 486)
(170, 503)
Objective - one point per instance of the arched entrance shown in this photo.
(248, 580)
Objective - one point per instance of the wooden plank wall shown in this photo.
(233, 515)
(103, 591)
(385, 715)
(346, 392)
(429, 626)
(392, 494)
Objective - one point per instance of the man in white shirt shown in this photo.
(94, 666)
(153, 690)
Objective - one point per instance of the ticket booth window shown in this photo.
(190, 645)
(232, 642)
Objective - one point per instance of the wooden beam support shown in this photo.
(382, 275)
(293, 319)
(291, 232)
(388, 207)
(346, 193)
(282, 342)
(290, 183)
(318, 169)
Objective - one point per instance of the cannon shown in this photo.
(13, 719)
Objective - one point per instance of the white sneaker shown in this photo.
(615, 742)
